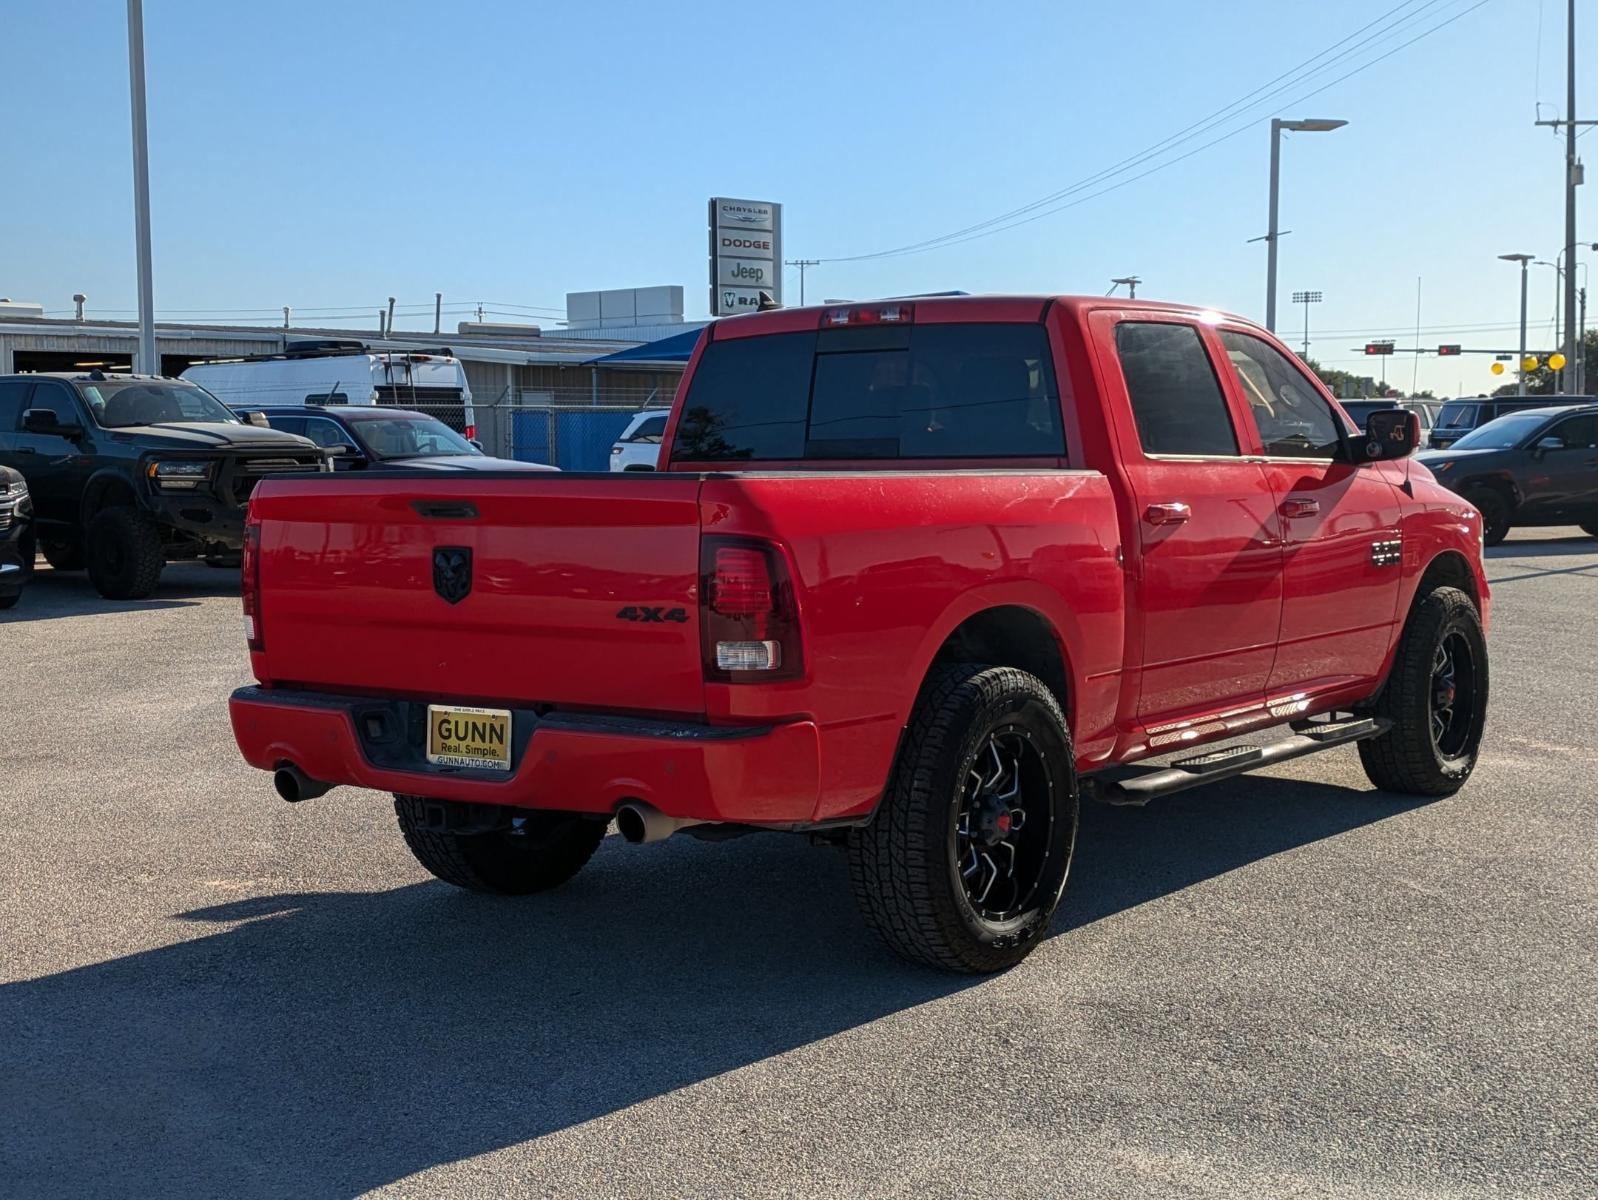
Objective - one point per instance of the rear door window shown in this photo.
(1176, 400)
(877, 392)
(1457, 416)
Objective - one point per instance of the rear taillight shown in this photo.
(250, 579)
(748, 614)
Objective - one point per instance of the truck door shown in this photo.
(1343, 561)
(55, 467)
(1207, 562)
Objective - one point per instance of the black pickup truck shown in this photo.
(130, 471)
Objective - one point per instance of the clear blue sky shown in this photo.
(330, 155)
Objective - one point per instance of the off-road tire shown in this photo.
(62, 556)
(1496, 513)
(902, 865)
(549, 849)
(124, 554)
(1406, 758)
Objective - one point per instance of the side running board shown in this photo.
(1133, 785)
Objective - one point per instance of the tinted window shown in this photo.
(1293, 419)
(413, 437)
(324, 432)
(925, 391)
(58, 399)
(1175, 396)
(287, 424)
(1457, 416)
(13, 396)
(1578, 433)
(650, 429)
(1502, 434)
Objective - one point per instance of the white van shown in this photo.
(336, 371)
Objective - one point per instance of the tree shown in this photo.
(1345, 383)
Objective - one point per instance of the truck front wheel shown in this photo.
(1436, 699)
(124, 554)
(533, 852)
(963, 863)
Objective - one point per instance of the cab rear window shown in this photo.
(880, 392)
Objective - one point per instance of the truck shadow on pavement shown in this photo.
(52, 595)
(329, 1043)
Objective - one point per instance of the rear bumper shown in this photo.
(765, 775)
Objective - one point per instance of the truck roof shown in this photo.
(1007, 307)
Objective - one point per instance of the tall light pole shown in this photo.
(1306, 299)
(1524, 260)
(1272, 234)
(148, 363)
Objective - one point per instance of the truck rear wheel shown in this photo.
(124, 554)
(536, 851)
(1436, 699)
(965, 859)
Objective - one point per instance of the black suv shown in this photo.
(16, 536)
(1459, 417)
(1538, 466)
(128, 471)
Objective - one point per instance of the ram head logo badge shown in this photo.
(452, 572)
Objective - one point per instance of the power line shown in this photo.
(1005, 222)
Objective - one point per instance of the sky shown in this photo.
(327, 156)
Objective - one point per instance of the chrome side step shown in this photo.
(1134, 785)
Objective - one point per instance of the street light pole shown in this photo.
(1306, 299)
(148, 363)
(1571, 179)
(1272, 233)
(1524, 260)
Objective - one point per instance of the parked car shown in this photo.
(638, 447)
(129, 471)
(17, 545)
(1459, 417)
(916, 574)
(358, 438)
(1538, 466)
(1359, 410)
(328, 372)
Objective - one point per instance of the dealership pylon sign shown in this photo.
(745, 254)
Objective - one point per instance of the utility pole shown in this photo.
(1573, 179)
(286, 311)
(438, 311)
(1581, 345)
(802, 263)
(1520, 363)
(148, 363)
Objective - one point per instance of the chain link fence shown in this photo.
(571, 428)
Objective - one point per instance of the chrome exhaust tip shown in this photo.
(639, 823)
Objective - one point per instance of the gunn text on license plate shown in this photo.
(468, 737)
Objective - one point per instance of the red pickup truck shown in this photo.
(912, 578)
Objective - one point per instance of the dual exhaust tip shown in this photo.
(637, 822)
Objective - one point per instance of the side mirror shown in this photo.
(44, 421)
(1551, 442)
(1390, 433)
(255, 417)
(476, 445)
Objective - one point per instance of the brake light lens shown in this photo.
(250, 590)
(868, 314)
(749, 615)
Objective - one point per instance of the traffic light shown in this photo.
(1447, 351)
(1378, 347)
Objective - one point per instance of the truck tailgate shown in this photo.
(582, 590)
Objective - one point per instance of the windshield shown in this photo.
(118, 403)
(412, 437)
(1455, 414)
(1502, 434)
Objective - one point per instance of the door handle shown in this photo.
(1173, 512)
(1298, 506)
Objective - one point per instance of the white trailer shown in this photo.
(344, 372)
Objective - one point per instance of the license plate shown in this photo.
(468, 737)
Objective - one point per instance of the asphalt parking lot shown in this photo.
(1290, 985)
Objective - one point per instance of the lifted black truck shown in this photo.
(128, 472)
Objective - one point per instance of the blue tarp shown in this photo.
(678, 348)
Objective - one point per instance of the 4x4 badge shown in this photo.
(452, 572)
